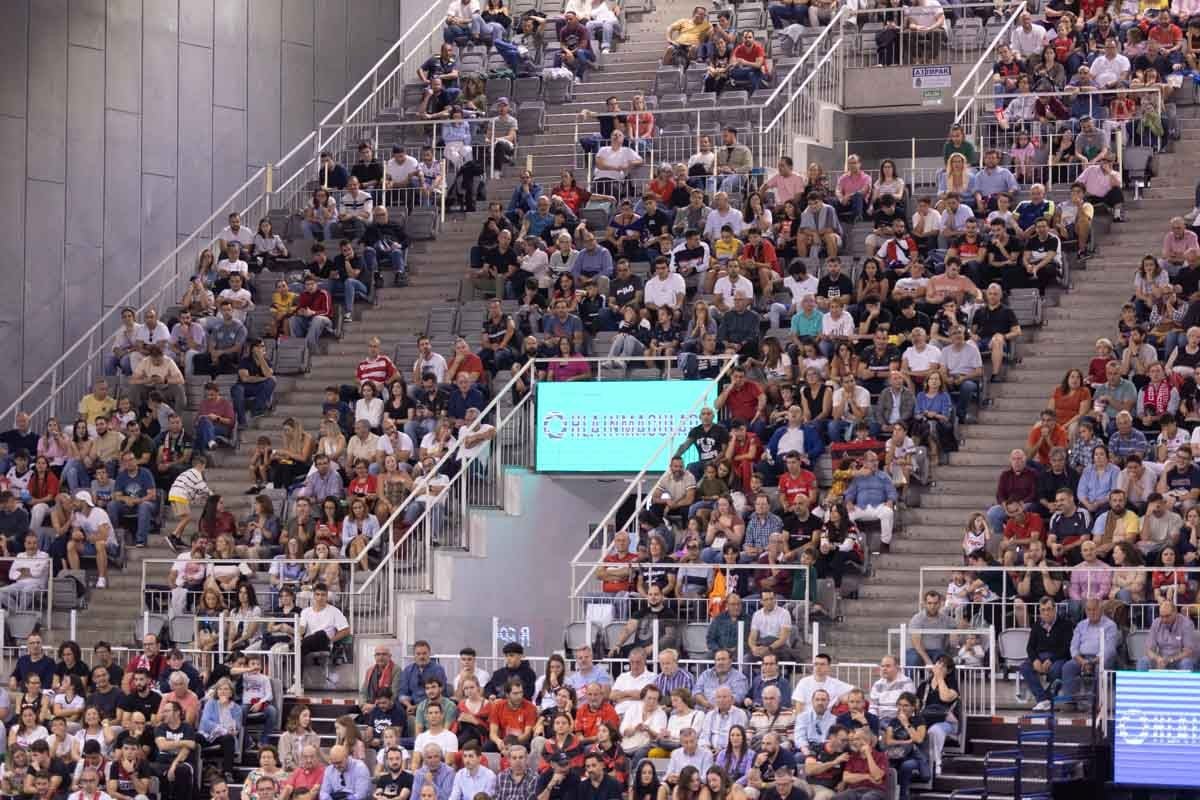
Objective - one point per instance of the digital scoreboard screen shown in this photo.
(1157, 729)
(614, 426)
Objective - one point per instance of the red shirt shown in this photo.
(803, 484)
(378, 370)
(764, 253)
(471, 363)
(1034, 528)
(588, 719)
(619, 586)
(1167, 35)
(319, 301)
(858, 765)
(363, 486)
(512, 721)
(749, 52)
(574, 197)
(1058, 438)
(742, 403)
(303, 780)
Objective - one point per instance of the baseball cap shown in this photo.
(85, 496)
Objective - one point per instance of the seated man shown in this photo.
(1095, 638)
(314, 312)
(1048, 650)
(135, 493)
(256, 383)
(1172, 641)
(873, 497)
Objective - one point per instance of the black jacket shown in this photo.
(523, 673)
(1056, 641)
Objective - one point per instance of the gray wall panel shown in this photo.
(14, 43)
(158, 217)
(44, 222)
(362, 23)
(196, 22)
(160, 88)
(229, 152)
(298, 16)
(122, 204)
(48, 92)
(85, 154)
(195, 136)
(229, 53)
(263, 124)
(12, 207)
(124, 49)
(332, 46)
(87, 23)
(83, 263)
(297, 93)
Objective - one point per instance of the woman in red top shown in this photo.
(1171, 583)
(742, 453)
(215, 520)
(473, 709)
(640, 124)
(331, 519)
(562, 741)
(663, 185)
(1071, 399)
(43, 488)
(364, 484)
(608, 747)
(573, 195)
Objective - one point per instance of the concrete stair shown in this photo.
(933, 532)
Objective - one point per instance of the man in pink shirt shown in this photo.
(785, 185)
(1103, 185)
(1176, 244)
(852, 191)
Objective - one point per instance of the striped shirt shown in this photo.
(669, 683)
(190, 485)
(377, 370)
(509, 787)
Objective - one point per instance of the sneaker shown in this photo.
(605, 50)
(101, 583)
(347, 318)
(176, 544)
(1193, 214)
(212, 445)
(139, 544)
(255, 489)
(269, 487)
(1044, 705)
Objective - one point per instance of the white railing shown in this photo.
(600, 538)
(801, 115)
(982, 701)
(980, 76)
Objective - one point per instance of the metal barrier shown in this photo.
(983, 697)
(600, 537)
(977, 81)
(953, 44)
(801, 115)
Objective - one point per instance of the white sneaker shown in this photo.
(1193, 214)
(605, 50)
(269, 486)
(1044, 705)
(101, 583)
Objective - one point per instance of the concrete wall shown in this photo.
(125, 122)
(520, 569)
(892, 88)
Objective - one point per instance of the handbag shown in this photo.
(935, 712)
(899, 751)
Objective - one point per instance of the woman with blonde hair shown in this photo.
(332, 442)
(977, 536)
(291, 460)
(221, 724)
(958, 178)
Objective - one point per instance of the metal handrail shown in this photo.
(634, 485)
(985, 56)
(804, 84)
(838, 19)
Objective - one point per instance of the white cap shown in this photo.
(85, 496)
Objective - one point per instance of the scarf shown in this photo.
(1157, 395)
(382, 675)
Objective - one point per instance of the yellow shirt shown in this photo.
(1162, 5)
(92, 408)
(724, 250)
(689, 33)
(283, 303)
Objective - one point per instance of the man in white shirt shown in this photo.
(771, 630)
(835, 326)
(355, 205)
(394, 442)
(231, 262)
(239, 297)
(730, 284)
(626, 690)
(1110, 67)
(235, 233)
(463, 20)
(91, 535)
(886, 691)
(401, 171)
(151, 332)
(321, 625)
(722, 214)
(921, 358)
(28, 572)
(475, 437)
(822, 678)
(666, 288)
(428, 361)
(613, 164)
(603, 19)
(1027, 39)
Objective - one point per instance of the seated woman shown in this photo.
(221, 725)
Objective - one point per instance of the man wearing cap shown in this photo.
(91, 535)
(558, 782)
(515, 666)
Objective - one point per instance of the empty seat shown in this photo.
(668, 80)
(531, 118)
(422, 224)
(499, 87)
(527, 88)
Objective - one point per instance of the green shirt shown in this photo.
(966, 148)
(804, 326)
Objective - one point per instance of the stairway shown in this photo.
(932, 533)
(435, 269)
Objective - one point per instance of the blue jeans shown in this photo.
(417, 428)
(732, 183)
(996, 517)
(782, 16)
(207, 431)
(398, 261)
(914, 767)
(1183, 665)
(967, 392)
(853, 206)
(348, 289)
(838, 430)
(319, 231)
(1034, 679)
(1071, 673)
(748, 75)
(113, 365)
(605, 28)
(270, 721)
(913, 659)
(310, 327)
(145, 518)
(259, 394)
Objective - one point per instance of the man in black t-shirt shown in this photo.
(623, 290)
(104, 696)
(127, 775)
(175, 740)
(709, 438)
(1003, 255)
(558, 782)
(824, 767)
(653, 221)
(1040, 260)
(395, 778)
(255, 385)
(834, 283)
(42, 761)
(143, 699)
(993, 327)
(785, 787)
